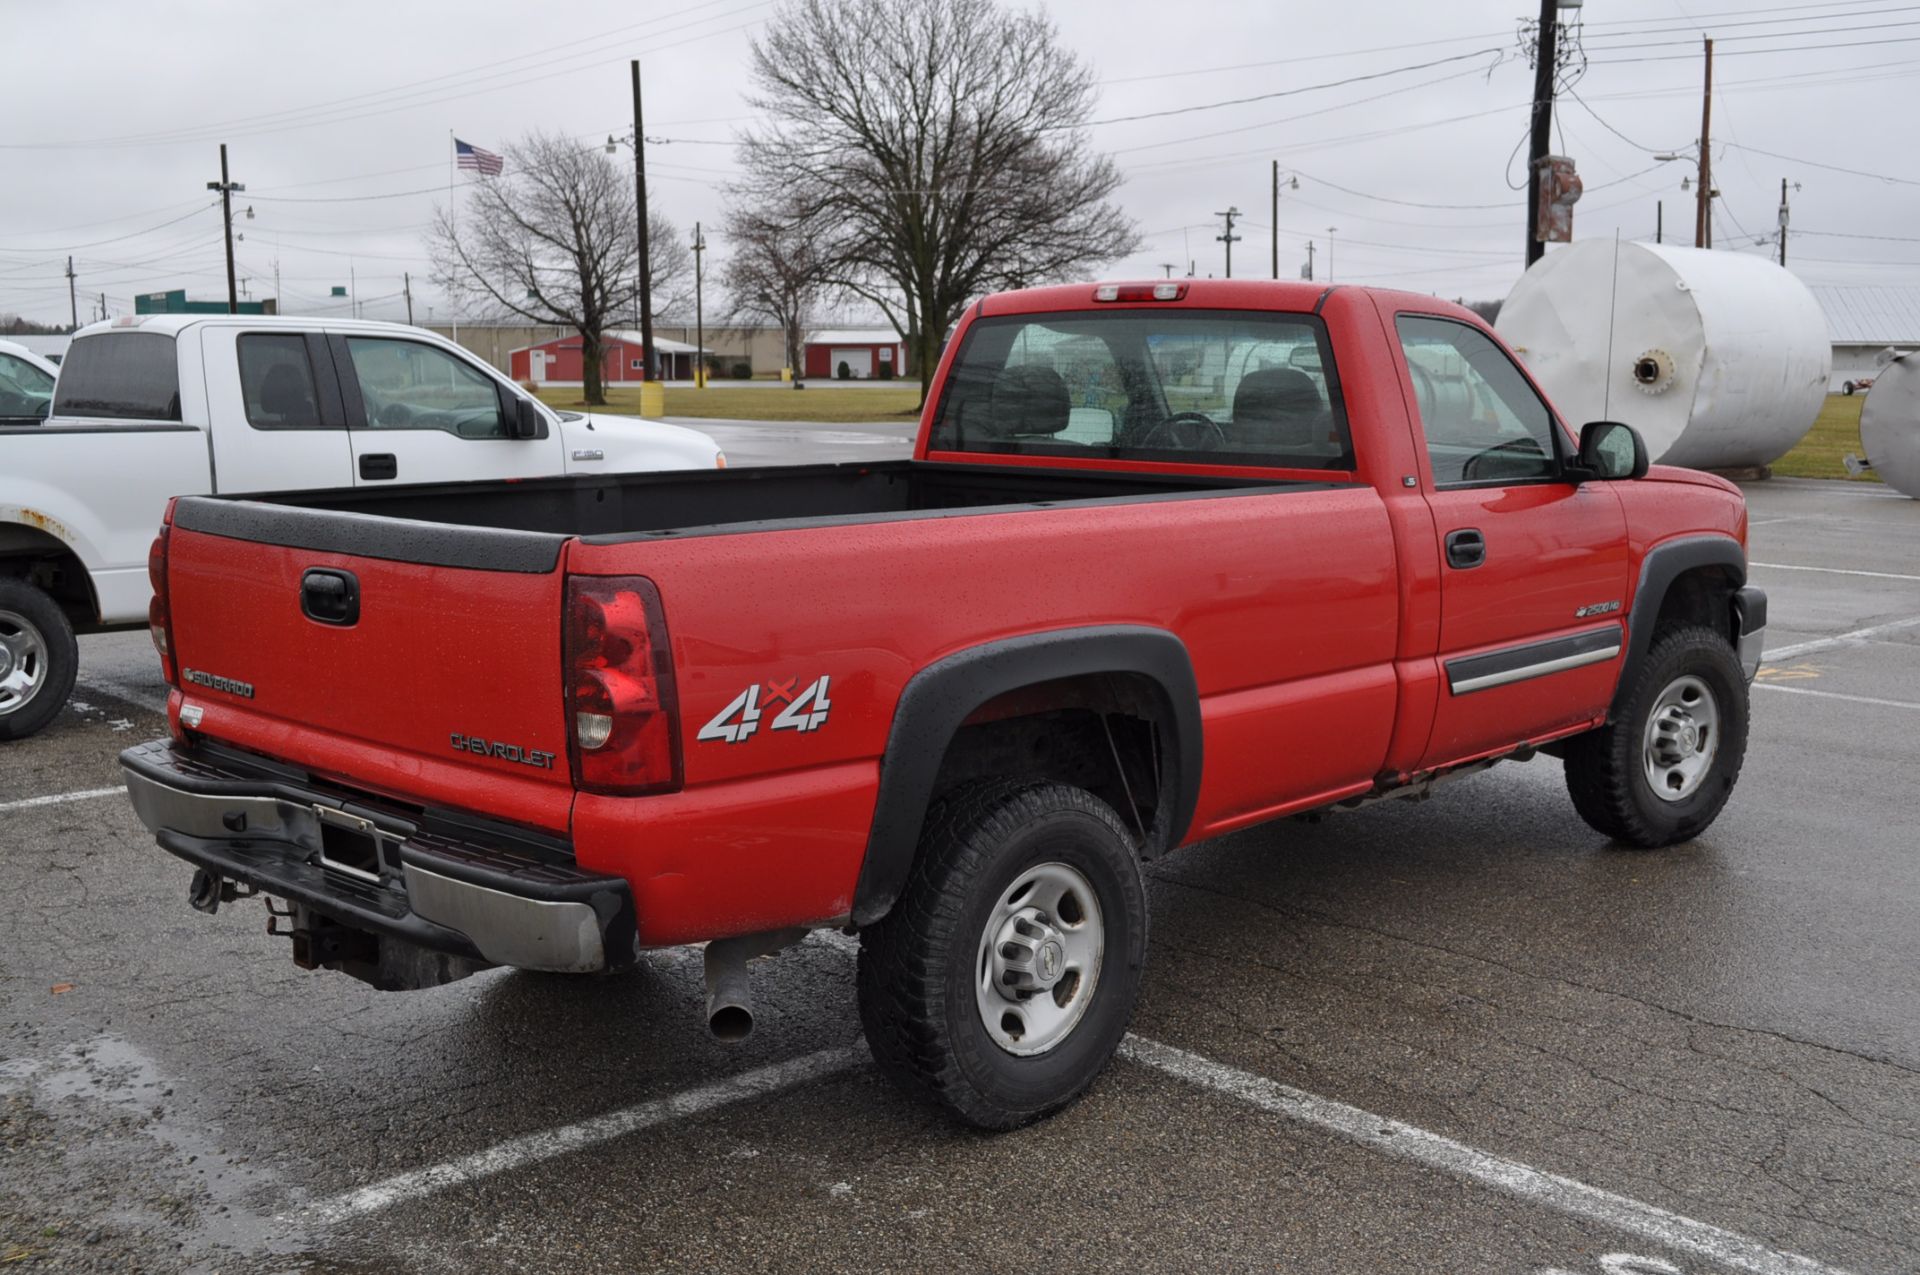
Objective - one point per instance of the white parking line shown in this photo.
(1852, 699)
(1405, 1142)
(1841, 639)
(534, 1148)
(1835, 571)
(28, 803)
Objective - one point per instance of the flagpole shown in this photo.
(453, 224)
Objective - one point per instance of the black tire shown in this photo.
(1606, 771)
(918, 964)
(1848, 387)
(25, 609)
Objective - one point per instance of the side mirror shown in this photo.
(524, 420)
(1609, 450)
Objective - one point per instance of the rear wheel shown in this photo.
(38, 659)
(1660, 772)
(1004, 978)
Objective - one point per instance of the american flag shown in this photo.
(486, 163)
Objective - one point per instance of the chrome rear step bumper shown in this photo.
(370, 869)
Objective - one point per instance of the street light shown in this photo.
(1330, 233)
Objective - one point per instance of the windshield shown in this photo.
(1196, 386)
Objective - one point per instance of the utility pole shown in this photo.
(1783, 223)
(406, 286)
(73, 302)
(1330, 233)
(1168, 266)
(1703, 197)
(1546, 54)
(226, 189)
(103, 306)
(640, 203)
(1659, 220)
(1275, 219)
(1229, 238)
(1309, 261)
(699, 315)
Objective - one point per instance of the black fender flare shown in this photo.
(1665, 563)
(942, 695)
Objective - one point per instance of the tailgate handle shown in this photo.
(329, 596)
(379, 465)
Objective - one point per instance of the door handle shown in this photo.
(379, 465)
(1466, 548)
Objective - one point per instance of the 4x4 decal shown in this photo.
(803, 708)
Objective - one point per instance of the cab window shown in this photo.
(120, 376)
(1171, 385)
(411, 385)
(1482, 421)
(25, 391)
(276, 381)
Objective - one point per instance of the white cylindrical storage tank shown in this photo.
(1719, 359)
(1890, 424)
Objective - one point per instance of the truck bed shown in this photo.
(698, 502)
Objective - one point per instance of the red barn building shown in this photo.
(560, 362)
(869, 354)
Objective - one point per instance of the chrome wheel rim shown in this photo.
(23, 662)
(1683, 735)
(1039, 959)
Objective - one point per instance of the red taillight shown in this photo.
(624, 737)
(160, 609)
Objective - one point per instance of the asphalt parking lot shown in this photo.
(1461, 1035)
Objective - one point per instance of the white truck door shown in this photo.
(420, 413)
(274, 410)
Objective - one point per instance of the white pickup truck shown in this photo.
(149, 407)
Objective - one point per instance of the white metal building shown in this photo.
(1862, 321)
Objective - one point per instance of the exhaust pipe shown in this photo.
(729, 997)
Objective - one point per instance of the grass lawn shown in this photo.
(734, 402)
(1836, 433)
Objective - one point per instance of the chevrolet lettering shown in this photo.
(504, 752)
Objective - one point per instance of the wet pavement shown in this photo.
(1459, 1035)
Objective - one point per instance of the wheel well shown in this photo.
(1108, 733)
(45, 561)
(1701, 596)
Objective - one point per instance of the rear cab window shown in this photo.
(1186, 386)
(131, 376)
(276, 381)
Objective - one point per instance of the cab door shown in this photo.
(1534, 568)
(419, 413)
(273, 410)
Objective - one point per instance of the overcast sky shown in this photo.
(337, 118)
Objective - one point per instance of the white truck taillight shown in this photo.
(622, 709)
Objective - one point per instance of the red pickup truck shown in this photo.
(1169, 559)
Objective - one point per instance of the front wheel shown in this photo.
(38, 659)
(1661, 770)
(1004, 978)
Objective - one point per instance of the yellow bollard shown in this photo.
(653, 399)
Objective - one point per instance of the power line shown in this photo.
(1740, 53)
(1814, 163)
(1305, 88)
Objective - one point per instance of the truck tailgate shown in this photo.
(377, 651)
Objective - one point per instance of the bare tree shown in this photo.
(553, 240)
(933, 150)
(776, 273)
